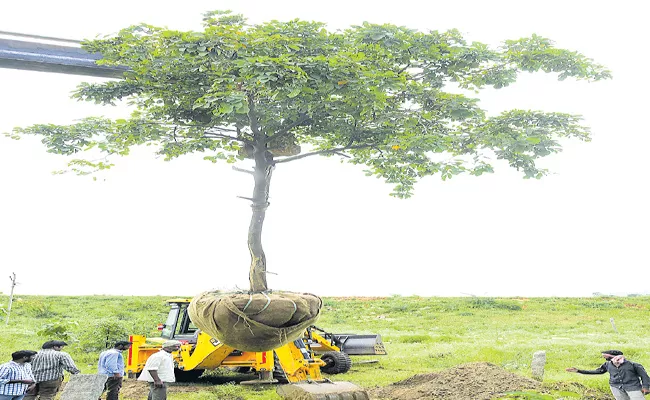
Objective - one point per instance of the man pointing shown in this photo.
(627, 380)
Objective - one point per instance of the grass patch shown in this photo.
(421, 334)
(414, 339)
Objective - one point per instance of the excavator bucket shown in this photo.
(360, 345)
(322, 391)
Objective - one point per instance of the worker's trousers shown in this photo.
(113, 386)
(11, 396)
(159, 393)
(620, 394)
(45, 390)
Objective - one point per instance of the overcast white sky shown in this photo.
(176, 228)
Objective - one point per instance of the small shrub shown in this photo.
(482, 302)
(121, 316)
(490, 303)
(328, 303)
(439, 355)
(449, 307)
(399, 308)
(37, 309)
(530, 395)
(509, 306)
(446, 338)
(102, 333)
(414, 339)
(601, 305)
(228, 392)
(58, 331)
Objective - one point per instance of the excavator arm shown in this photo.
(48, 54)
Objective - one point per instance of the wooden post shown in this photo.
(11, 296)
(613, 324)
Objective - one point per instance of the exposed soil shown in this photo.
(473, 381)
(132, 389)
(476, 381)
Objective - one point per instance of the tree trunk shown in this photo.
(262, 175)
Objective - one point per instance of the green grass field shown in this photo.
(420, 334)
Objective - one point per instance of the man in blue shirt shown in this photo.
(111, 363)
(16, 375)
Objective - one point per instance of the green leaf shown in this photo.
(225, 108)
(377, 95)
(294, 92)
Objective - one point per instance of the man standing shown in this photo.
(16, 375)
(627, 380)
(159, 370)
(48, 366)
(111, 363)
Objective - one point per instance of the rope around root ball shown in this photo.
(270, 320)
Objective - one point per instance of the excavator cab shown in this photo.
(178, 325)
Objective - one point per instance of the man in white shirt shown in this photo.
(159, 370)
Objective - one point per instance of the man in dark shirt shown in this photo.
(628, 380)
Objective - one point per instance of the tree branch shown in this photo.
(321, 152)
(417, 76)
(218, 129)
(252, 116)
(213, 135)
(184, 124)
(287, 129)
(408, 64)
(222, 136)
(243, 170)
(244, 136)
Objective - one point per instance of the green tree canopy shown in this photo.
(382, 96)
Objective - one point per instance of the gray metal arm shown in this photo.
(64, 59)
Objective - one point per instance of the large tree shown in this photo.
(383, 96)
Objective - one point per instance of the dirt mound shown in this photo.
(132, 389)
(475, 381)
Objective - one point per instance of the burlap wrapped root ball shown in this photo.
(256, 321)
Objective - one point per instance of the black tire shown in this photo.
(131, 375)
(187, 376)
(278, 372)
(336, 362)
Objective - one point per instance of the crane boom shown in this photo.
(59, 57)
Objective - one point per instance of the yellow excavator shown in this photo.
(299, 363)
